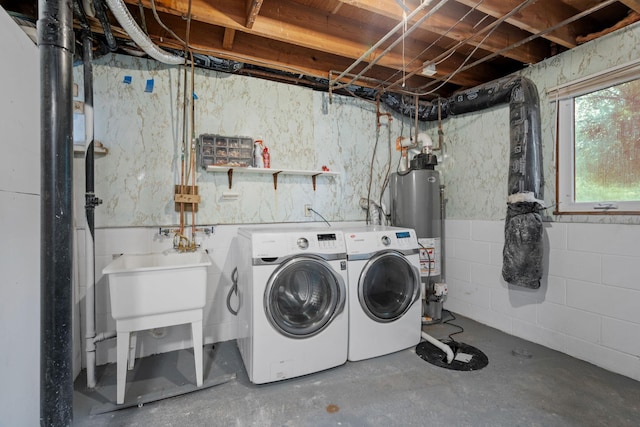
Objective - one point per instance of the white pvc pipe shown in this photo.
(89, 256)
(127, 22)
(90, 296)
(442, 346)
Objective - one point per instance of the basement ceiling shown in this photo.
(442, 47)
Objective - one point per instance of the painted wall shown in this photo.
(20, 214)
(142, 130)
(587, 305)
(476, 150)
(303, 129)
(578, 310)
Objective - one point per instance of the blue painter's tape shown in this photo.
(195, 96)
(127, 80)
(149, 87)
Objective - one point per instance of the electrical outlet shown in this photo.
(307, 210)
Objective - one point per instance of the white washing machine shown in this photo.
(385, 312)
(292, 314)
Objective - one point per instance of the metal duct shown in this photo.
(56, 43)
(120, 11)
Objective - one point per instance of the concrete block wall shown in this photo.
(588, 305)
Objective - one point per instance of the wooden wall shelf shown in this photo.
(230, 170)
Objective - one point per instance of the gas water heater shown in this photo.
(415, 203)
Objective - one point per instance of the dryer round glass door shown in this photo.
(388, 286)
(303, 296)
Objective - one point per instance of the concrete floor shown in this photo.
(546, 389)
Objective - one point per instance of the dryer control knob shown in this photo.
(386, 240)
(303, 243)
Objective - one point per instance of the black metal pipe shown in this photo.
(91, 201)
(99, 7)
(56, 44)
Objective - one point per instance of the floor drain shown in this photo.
(466, 357)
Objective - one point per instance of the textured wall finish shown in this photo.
(476, 156)
(302, 128)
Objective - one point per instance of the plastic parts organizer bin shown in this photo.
(218, 150)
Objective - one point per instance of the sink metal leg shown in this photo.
(133, 339)
(122, 354)
(196, 333)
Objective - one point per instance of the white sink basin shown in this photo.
(151, 284)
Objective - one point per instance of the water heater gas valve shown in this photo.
(440, 289)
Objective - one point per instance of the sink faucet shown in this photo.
(183, 244)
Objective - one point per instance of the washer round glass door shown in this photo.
(388, 286)
(303, 296)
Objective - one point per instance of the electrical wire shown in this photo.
(167, 29)
(408, 171)
(426, 251)
(532, 37)
(448, 322)
(373, 156)
(387, 175)
(318, 213)
(142, 18)
(425, 50)
(491, 28)
(221, 53)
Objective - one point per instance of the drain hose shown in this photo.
(234, 289)
(442, 346)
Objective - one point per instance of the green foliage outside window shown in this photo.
(607, 144)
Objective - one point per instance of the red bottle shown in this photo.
(266, 158)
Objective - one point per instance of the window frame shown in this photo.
(563, 96)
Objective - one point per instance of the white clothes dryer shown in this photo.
(384, 290)
(292, 314)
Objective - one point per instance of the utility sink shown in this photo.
(153, 291)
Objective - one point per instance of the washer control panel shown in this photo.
(362, 241)
(328, 241)
(279, 242)
(405, 239)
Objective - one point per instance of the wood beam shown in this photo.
(447, 22)
(632, 4)
(227, 39)
(632, 17)
(253, 8)
(537, 17)
(255, 50)
(329, 34)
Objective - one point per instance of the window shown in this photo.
(598, 153)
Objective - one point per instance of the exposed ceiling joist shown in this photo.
(469, 42)
(253, 8)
